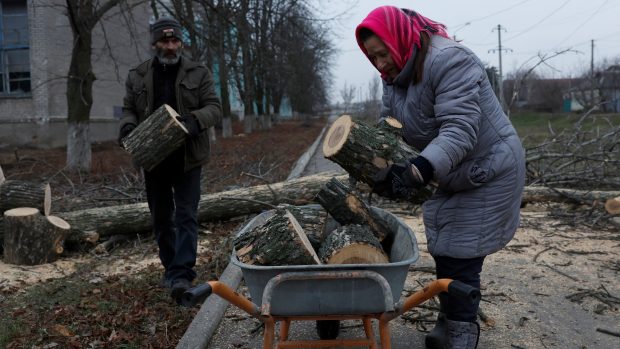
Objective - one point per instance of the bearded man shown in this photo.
(173, 187)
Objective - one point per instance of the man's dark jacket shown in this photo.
(195, 94)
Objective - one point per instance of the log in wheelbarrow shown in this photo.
(329, 293)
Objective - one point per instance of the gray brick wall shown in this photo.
(39, 120)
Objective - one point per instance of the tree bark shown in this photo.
(313, 221)
(31, 238)
(135, 218)
(279, 241)
(155, 138)
(16, 193)
(352, 244)
(363, 150)
(348, 208)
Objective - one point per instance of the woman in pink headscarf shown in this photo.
(439, 90)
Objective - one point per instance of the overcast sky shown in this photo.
(528, 27)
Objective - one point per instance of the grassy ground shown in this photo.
(534, 127)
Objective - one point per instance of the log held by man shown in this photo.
(362, 150)
(31, 238)
(155, 138)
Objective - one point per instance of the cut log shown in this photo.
(16, 193)
(347, 208)
(313, 221)
(279, 241)
(542, 194)
(613, 206)
(155, 138)
(352, 244)
(78, 237)
(2, 178)
(392, 125)
(362, 150)
(31, 238)
(135, 218)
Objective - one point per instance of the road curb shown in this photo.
(303, 160)
(206, 322)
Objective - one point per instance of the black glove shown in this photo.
(402, 180)
(191, 124)
(124, 132)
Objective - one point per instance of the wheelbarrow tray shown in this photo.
(320, 296)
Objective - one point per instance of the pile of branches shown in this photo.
(578, 158)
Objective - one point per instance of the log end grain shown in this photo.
(337, 135)
(21, 212)
(47, 200)
(613, 206)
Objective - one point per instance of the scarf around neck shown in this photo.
(399, 29)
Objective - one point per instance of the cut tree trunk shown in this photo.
(542, 194)
(348, 208)
(31, 238)
(613, 206)
(352, 244)
(155, 138)
(2, 178)
(135, 218)
(279, 241)
(16, 193)
(362, 150)
(313, 221)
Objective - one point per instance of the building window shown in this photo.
(14, 48)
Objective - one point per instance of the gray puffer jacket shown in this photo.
(454, 118)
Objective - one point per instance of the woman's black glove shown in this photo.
(191, 124)
(124, 132)
(401, 180)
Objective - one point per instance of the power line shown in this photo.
(583, 23)
(539, 22)
(492, 14)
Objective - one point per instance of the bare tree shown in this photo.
(348, 95)
(83, 16)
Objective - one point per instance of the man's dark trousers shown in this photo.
(173, 197)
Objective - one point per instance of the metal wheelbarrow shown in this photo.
(328, 293)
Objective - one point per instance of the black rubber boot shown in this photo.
(436, 338)
(462, 335)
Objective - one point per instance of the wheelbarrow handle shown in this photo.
(196, 295)
(464, 291)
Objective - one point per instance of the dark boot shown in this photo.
(462, 335)
(436, 338)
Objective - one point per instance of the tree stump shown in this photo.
(348, 208)
(155, 138)
(362, 150)
(352, 244)
(16, 193)
(31, 238)
(279, 241)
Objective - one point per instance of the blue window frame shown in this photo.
(14, 49)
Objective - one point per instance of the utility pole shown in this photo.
(501, 78)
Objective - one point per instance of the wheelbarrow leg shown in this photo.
(370, 334)
(384, 333)
(284, 326)
(269, 336)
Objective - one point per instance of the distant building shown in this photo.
(610, 89)
(35, 52)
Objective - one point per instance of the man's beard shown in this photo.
(166, 58)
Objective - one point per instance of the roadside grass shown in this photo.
(534, 128)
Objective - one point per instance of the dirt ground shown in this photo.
(556, 285)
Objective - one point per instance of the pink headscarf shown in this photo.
(399, 29)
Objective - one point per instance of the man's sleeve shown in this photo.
(129, 106)
(210, 112)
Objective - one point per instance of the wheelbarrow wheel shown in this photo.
(328, 329)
